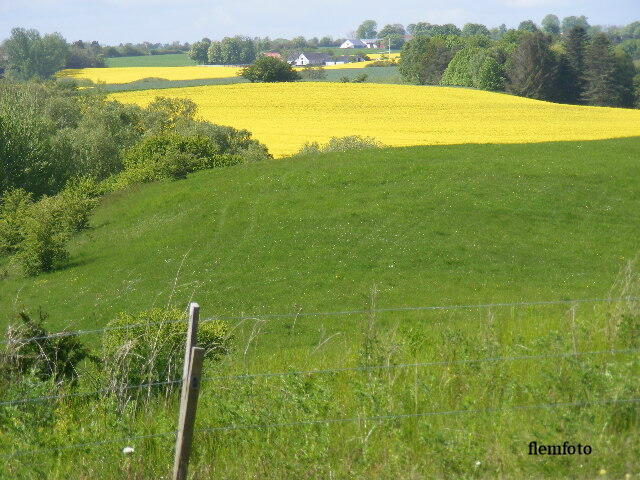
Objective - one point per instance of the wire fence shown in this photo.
(360, 368)
(375, 418)
(325, 314)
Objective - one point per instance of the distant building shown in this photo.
(361, 43)
(312, 59)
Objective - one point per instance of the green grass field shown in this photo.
(364, 230)
(169, 60)
(428, 225)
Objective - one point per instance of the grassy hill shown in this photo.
(412, 394)
(427, 225)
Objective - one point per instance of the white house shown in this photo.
(361, 43)
(313, 59)
(353, 43)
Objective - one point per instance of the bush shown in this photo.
(45, 234)
(149, 347)
(14, 206)
(361, 78)
(313, 73)
(171, 156)
(55, 358)
(270, 69)
(339, 144)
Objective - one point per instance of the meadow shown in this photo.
(167, 60)
(451, 393)
(285, 116)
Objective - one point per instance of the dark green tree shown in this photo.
(528, 26)
(569, 22)
(269, 69)
(424, 59)
(31, 55)
(367, 29)
(199, 51)
(575, 45)
(471, 29)
(602, 74)
(551, 24)
(532, 69)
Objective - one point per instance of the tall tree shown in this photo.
(551, 24)
(424, 59)
(199, 51)
(601, 73)
(528, 26)
(367, 29)
(471, 29)
(532, 70)
(31, 55)
(575, 45)
(569, 22)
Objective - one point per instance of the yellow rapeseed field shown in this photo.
(119, 75)
(286, 115)
(378, 56)
(131, 74)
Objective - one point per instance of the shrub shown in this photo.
(45, 234)
(55, 358)
(149, 347)
(339, 144)
(14, 206)
(361, 78)
(313, 73)
(270, 69)
(171, 156)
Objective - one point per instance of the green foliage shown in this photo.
(464, 67)
(608, 79)
(199, 51)
(570, 22)
(339, 144)
(575, 44)
(532, 69)
(490, 75)
(171, 156)
(134, 352)
(367, 29)
(424, 59)
(31, 55)
(472, 29)
(313, 73)
(528, 26)
(360, 78)
(55, 358)
(270, 69)
(551, 25)
(232, 51)
(14, 208)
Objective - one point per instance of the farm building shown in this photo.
(361, 43)
(310, 59)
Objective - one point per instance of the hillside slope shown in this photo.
(426, 225)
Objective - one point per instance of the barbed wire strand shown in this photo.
(329, 421)
(242, 376)
(327, 314)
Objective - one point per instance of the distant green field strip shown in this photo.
(168, 60)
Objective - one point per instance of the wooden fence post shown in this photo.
(191, 341)
(187, 417)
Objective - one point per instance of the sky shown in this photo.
(122, 21)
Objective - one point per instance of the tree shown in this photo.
(551, 24)
(602, 74)
(471, 29)
(528, 26)
(491, 75)
(569, 22)
(532, 69)
(199, 51)
(575, 45)
(270, 69)
(31, 55)
(424, 59)
(367, 29)
(394, 30)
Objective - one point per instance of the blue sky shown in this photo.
(116, 21)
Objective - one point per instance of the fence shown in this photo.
(191, 378)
